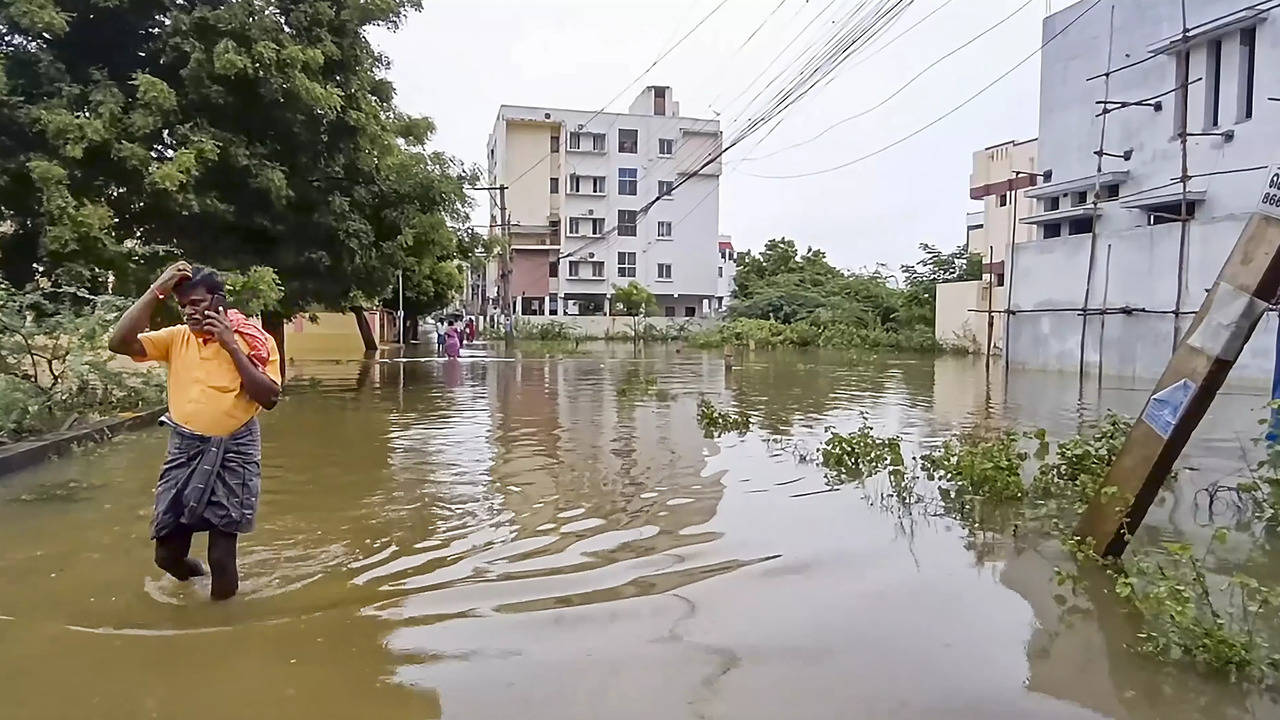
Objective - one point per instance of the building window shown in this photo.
(1052, 203)
(1182, 63)
(669, 311)
(1169, 213)
(586, 269)
(595, 142)
(1248, 63)
(555, 186)
(627, 182)
(555, 143)
(720, 271)
(1213, 88)
(586, 226)
(597, 184)
(1004, 199)
(665, 188)
(1080, 226)
(553, 268)
(626, 264)
(1052, 230)
(690, 311)
(627, 223)
(664, 271)
(629, 141)
(1079, 198)
(1111, 192)
(659, 101)
(666, 147)
(664, 229)
(553, 229)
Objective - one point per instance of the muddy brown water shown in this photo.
(550, 536)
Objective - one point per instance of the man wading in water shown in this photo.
(223, 369)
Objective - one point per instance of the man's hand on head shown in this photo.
(172, 275)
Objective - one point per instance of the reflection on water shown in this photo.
(550, 535)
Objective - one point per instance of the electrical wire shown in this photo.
(936, 120)
(902, 88)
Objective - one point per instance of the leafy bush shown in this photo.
(716, 422)
(552, 331)
(856, 456)
(977, 466)
(1073, 479)
(55, 366)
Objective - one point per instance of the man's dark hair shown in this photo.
(202, 277)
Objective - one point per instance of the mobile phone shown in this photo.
(219, 303)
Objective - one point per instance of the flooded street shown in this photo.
(550, 536)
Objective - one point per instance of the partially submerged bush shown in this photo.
(856, 456)
(716, 422)
(55, 366)
(978, 466)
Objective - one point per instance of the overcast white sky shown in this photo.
(458, 60)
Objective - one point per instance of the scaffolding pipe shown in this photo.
(1184, 226)
(1097, 194)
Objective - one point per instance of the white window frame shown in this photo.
(626, 264)
(632, 226)
(664, 225)
(635, 147)
(671, 189)
(668, 277)
(671, 147)
(628, 180)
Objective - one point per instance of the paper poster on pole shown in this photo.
(1227, 322)
(1166, 406)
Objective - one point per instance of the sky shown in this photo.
(456, 61)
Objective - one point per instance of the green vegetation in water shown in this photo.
(785, 298)
(856, 456)
(716, 422)
(55, 369)
(978, 466)
(1221, 624)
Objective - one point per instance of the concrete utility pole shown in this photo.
(508, 320)
(1247, 283)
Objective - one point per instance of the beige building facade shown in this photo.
(965, 311)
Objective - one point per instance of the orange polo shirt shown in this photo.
(204, 386)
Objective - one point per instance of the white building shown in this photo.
(578, 185)
(726, 270)
(1139, 264)
(1000, 179)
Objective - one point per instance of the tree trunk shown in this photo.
(366, 330)
(273, 323)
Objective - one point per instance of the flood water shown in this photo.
(549, 536)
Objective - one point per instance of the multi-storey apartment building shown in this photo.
(1132, 252)
(595, 200)
(966, 312)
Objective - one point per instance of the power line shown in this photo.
(902, 88)
(628, 86)
(938, 119)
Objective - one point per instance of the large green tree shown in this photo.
(238, 133)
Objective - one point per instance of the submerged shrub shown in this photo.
(855, 456)
(976, 465)
(716, 422)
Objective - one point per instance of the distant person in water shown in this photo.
(223, 370)
(471, 330)
(452, 341)
(440, 336)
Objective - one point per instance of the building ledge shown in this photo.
(974, 220)
(1087, 182)
(1071, 213)
(1165, 198)
(587, 194)
(1238, 20)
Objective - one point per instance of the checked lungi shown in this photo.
(208, 482)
